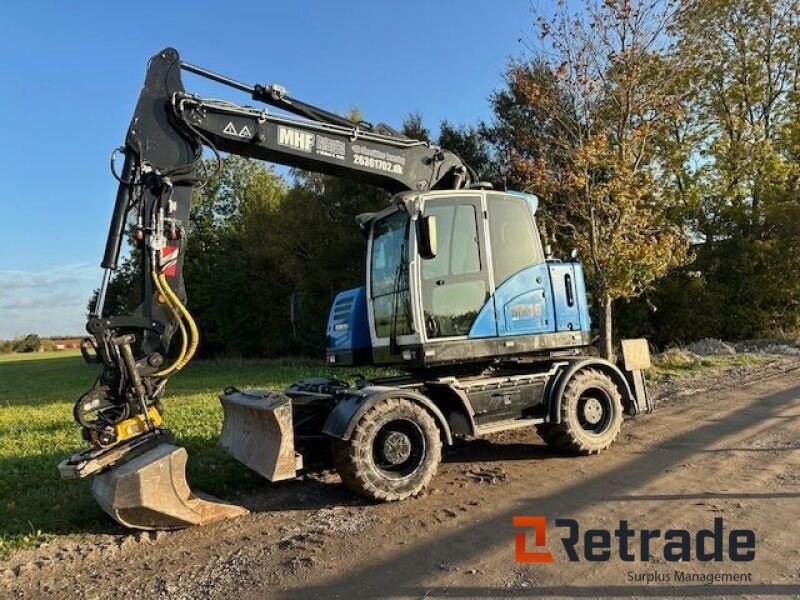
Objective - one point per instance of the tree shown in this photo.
(225, 284)
(746, 53)
(313, 241)
(30, 343)
(732, 164)
(578, 124)
(124, 291)
(468, 143)
(412, 127)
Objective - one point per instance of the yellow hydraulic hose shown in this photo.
(177, 315)
(194, 334)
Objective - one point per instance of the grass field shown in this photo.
(37, 431)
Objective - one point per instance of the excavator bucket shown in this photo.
(258, 432)
(149, 491)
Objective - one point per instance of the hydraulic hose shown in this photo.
(194, 334)
(177, 315)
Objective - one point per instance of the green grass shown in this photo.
(37, 392)
(675, 365)
(14, 357)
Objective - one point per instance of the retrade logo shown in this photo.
(521, 552)
(628, 544)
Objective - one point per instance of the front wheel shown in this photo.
(591, 415)
(393, 453)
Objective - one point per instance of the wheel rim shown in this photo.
(595, 411)
(398, 448)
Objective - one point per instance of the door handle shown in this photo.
(440, 282)
(568, 288)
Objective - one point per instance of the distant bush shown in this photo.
(30, 343)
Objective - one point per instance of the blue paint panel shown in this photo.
(565, 297)
(535, 300)
(522, 304)
(526, 313)
(348, 322)
(569, 296)
(485, 324)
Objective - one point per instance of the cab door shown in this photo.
(523, 297)
(455, 283)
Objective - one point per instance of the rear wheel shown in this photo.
(591, 415)
(393, 452)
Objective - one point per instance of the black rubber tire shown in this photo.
(354, 459)
(571, 435)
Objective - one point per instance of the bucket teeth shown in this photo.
(257, 432)
(150, 491)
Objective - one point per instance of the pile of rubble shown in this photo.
(714, 347)
(711, 347)
(779, 347)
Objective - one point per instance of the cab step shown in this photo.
(507, 425)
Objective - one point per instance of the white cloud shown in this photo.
(47, 302)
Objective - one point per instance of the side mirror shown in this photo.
(548, 251)
(426, 230)
(573, 254)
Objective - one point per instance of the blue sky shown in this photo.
(71, 72)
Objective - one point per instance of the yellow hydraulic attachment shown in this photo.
(190, 341)
(137, 425)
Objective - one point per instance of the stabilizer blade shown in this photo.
(258, 432)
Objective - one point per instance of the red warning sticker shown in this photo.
(169, 261)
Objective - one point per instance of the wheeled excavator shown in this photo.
(489, 331)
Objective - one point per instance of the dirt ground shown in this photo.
(726, 446)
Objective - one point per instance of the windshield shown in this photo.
(389, 276)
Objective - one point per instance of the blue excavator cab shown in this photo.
(487, 291)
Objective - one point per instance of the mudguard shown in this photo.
(343, 418)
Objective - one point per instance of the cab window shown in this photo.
(457, 240)
(391, 301)
(514, 237)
